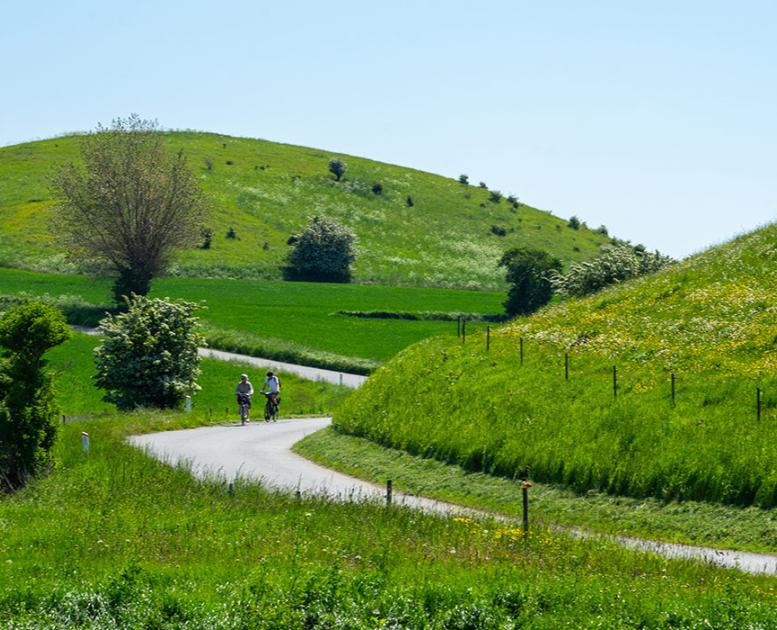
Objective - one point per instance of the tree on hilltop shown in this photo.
(337, 168)
(131, 205)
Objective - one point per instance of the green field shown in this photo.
(295, 321)
(709, 320)
(73, 362)
(118, 540)
(270, 190)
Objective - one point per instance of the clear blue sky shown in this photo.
(657, 119)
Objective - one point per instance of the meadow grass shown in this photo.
(116, 539)
(690, 522)
(270, 190)
(291, 321)
(709, 320)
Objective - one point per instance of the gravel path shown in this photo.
(263, 451)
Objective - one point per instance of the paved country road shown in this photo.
(311, 373)
(262, 452)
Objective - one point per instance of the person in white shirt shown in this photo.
(244, 391)
(271, 384)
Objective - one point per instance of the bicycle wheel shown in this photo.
(268, 410)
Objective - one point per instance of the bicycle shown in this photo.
(271, 407)
(244, 403)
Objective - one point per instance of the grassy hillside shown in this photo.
(267, 191)
(712, 321)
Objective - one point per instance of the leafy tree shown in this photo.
(131, 205)
(528, 273)
(483, 185)
(573, 223)
(337, 167)
(602, 229)
(616, 265)
(28, 413)
(464, 179)
(324, 251)
(148, 357)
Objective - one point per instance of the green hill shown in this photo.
(267, 191)
(614, 425)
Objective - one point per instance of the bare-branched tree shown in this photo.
(132, 204)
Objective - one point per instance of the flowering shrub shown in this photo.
(614, 266)
(149, 355)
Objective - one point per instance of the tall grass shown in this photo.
(146, 545)
(710, 321)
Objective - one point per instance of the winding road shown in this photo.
(260, 451)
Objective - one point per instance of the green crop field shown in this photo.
(115, 539)
(296, 321)
(710, 321)
(267, 191)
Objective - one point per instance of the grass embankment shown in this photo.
(287, 321)
(711, 320)
(691, 522)
(267, 191)
(146, 545)
(73, 362)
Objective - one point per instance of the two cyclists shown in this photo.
(271, 388)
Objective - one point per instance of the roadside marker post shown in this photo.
(521, 344)
(488, 338)
(674, 389)
(341, 379)
(758, 403)
(566, 366)
(188, 403)
(85, 442)
(389, 491)
(464, 331)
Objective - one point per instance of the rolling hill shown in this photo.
(664, 387)
(452, 235)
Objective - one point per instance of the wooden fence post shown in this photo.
(758, 403)
(389, 491)
(614, 381)
(566, 366)
(674, 389)
(525, 485)
(488, 338)
(521, 344)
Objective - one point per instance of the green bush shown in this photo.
(464, 179)
(323, 252)
(28, 413)
(494, 196)
(528, 272)
(377, 188)
(148, 357)
(574, 223)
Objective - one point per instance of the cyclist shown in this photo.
(273, 386)
(244, 391)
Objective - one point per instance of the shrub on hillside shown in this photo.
(483, 185)
(528, 273)
(377, 188)
(323, 252)
(28, 414)
(231, 234)
(409, 201)
(207, 238)
(464, 179)
(337, 168)
(574, 223)
(148, 357)
(494, 196)
(614, 266)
